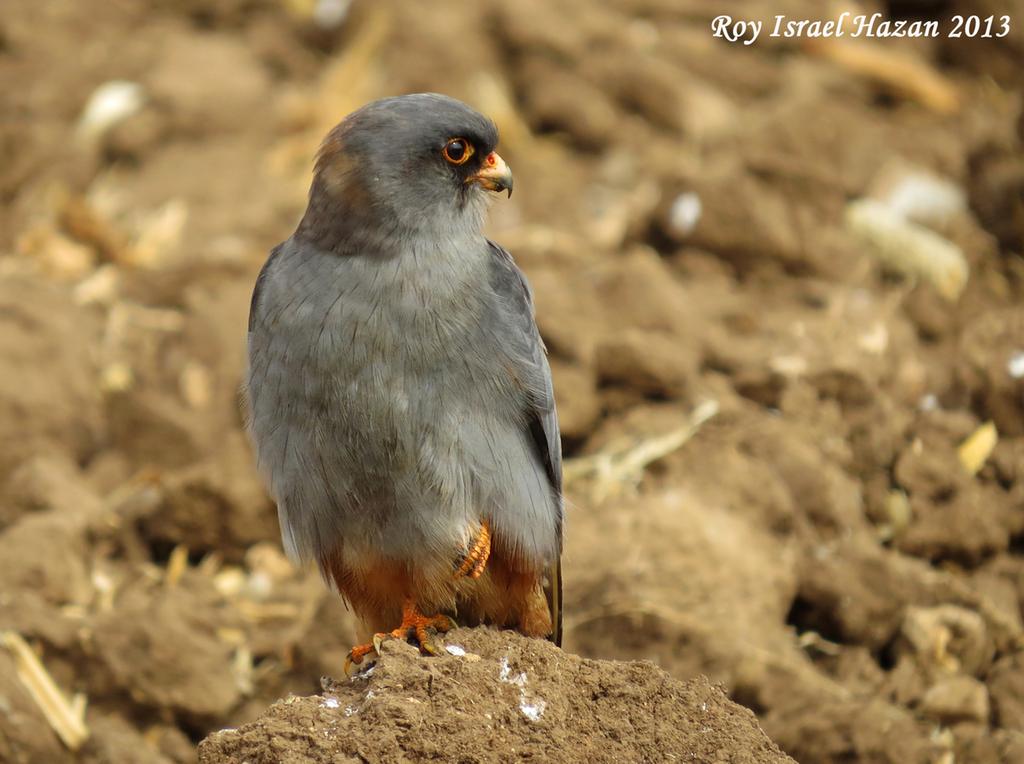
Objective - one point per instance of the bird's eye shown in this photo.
(458, 150)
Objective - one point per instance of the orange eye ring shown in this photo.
(458, 151)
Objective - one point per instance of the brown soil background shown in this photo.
(817, 549)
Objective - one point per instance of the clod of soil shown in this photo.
(498, 696)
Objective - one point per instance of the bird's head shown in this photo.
(411, 164)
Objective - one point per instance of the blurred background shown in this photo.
(782, 288)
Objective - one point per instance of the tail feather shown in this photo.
(553, 593)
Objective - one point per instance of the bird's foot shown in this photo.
(474, 561)
(356, 654)
(415, 627)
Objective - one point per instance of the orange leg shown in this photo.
(475, 560)
(415, 625)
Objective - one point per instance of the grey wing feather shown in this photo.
(511, 285)
(542, 418)
(254, 304)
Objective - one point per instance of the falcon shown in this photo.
(400, 399)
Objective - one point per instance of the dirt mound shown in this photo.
(498, 696)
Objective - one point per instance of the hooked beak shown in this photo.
(494, 175)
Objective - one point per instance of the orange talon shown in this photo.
(415, 625)
(475, 561)
(356, 654)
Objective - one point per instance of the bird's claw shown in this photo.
(428, 642)
(474, 561)
(415, 627)
(356, 654)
